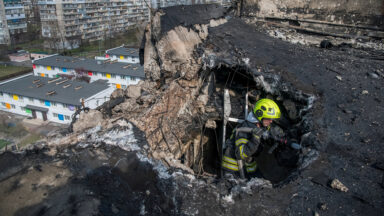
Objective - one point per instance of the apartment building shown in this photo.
(52, 99)
(12, 20)
(118, 74)
(68, 22)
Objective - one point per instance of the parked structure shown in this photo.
(12, 20)
(67, 23)
(123, 54)
(118, 74)
(53, 99)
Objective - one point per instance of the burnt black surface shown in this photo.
(347, 121)
(189, 15)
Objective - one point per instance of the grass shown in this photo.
(10, 69)
(16, 131)
(3, 143)
(32, 138)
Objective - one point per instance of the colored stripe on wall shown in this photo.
(15, 97)
(61, 117)
(108, 76)
(47, 103)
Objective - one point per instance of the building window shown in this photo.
(30, 100)
(122, 77)
(113, 75)
(42, 102)
(54, 104)
(133, 78)
(124, 86)
(67, 117)
(2, 103)
(55, 115)
(1, 94)
(21, 98)
(65, 105)
(104, 74)
(13, 106)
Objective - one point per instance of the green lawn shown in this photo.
(3, 143)
(10, 69)
(30, 139)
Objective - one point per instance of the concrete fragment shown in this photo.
(210, 124)
(339, 77)
(364, 92)
(88, 120)
(133, 91)
(336, 184)
(117, 93)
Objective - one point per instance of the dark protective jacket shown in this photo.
(246, 143)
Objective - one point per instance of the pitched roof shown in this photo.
(124, 51)
(93, 65)
(54, 89)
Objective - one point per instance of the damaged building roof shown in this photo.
(124, 51)
(93, 65)
(54, 89)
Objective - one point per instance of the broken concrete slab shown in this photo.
(87, 120)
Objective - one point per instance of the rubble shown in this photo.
(88, 120)
(336, 184)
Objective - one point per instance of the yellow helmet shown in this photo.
(266, 108)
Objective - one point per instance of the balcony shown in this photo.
(15, 16)
(17, 26)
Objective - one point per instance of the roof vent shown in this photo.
(54, 80)
(39, 85)
(35, 81)
(63, 81)
(51, 92)
(66, 86)
(78, 87)
(135, 68)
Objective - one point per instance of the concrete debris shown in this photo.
(210, 124)
(336, 184)
(364, 92)
(339, 78)
(322, 206)
(88, 120)
(133, 91)
(117, 93)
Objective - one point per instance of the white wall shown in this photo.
(21, 102)
(125, 59)
(112, 79)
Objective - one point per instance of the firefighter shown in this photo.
(250, 137)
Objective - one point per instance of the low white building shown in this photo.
(52, 99)
(123, 54)
(118, 74)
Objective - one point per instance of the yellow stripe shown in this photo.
(230, 160)
(241, 141)
(230, 166)
(253, 169)
(242, 154)
(251, 164)
(257, 137)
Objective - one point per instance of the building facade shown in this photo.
(118, 74)
(12, 20)
(52, 99)
(123, 54)
(68, 22)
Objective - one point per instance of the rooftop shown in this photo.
(124, 51)
(53, 89)
(112, 67)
